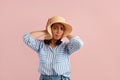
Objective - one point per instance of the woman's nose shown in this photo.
(59, 30)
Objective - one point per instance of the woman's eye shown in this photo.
(62, 28)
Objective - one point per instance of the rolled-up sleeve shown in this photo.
(31, 42)
(74, 44)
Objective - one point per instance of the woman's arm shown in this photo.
(37, 34)
(69, 36)
(74, 44)
(30, 38)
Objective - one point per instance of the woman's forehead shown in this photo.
(58, 24)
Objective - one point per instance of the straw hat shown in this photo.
(57, 19)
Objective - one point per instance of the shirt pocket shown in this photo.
(60, 57)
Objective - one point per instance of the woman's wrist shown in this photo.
(69, 36)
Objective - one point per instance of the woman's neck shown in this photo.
(53, 43)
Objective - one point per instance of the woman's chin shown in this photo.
(57, 38)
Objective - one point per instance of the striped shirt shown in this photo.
(54, 61)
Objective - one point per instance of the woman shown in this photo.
(53, 52)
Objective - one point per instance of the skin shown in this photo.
(57, 30)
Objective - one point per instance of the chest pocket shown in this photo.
(60, 57)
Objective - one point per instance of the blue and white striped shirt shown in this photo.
(54, 61)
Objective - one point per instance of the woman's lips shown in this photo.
(58, 35)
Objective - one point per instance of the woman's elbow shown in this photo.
(80, 44)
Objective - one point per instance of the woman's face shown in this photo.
(57, 31)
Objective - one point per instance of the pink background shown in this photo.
(96, 21)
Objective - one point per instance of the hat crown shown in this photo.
(56, 19)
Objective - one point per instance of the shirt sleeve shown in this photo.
(31, 42)
(74, 44)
